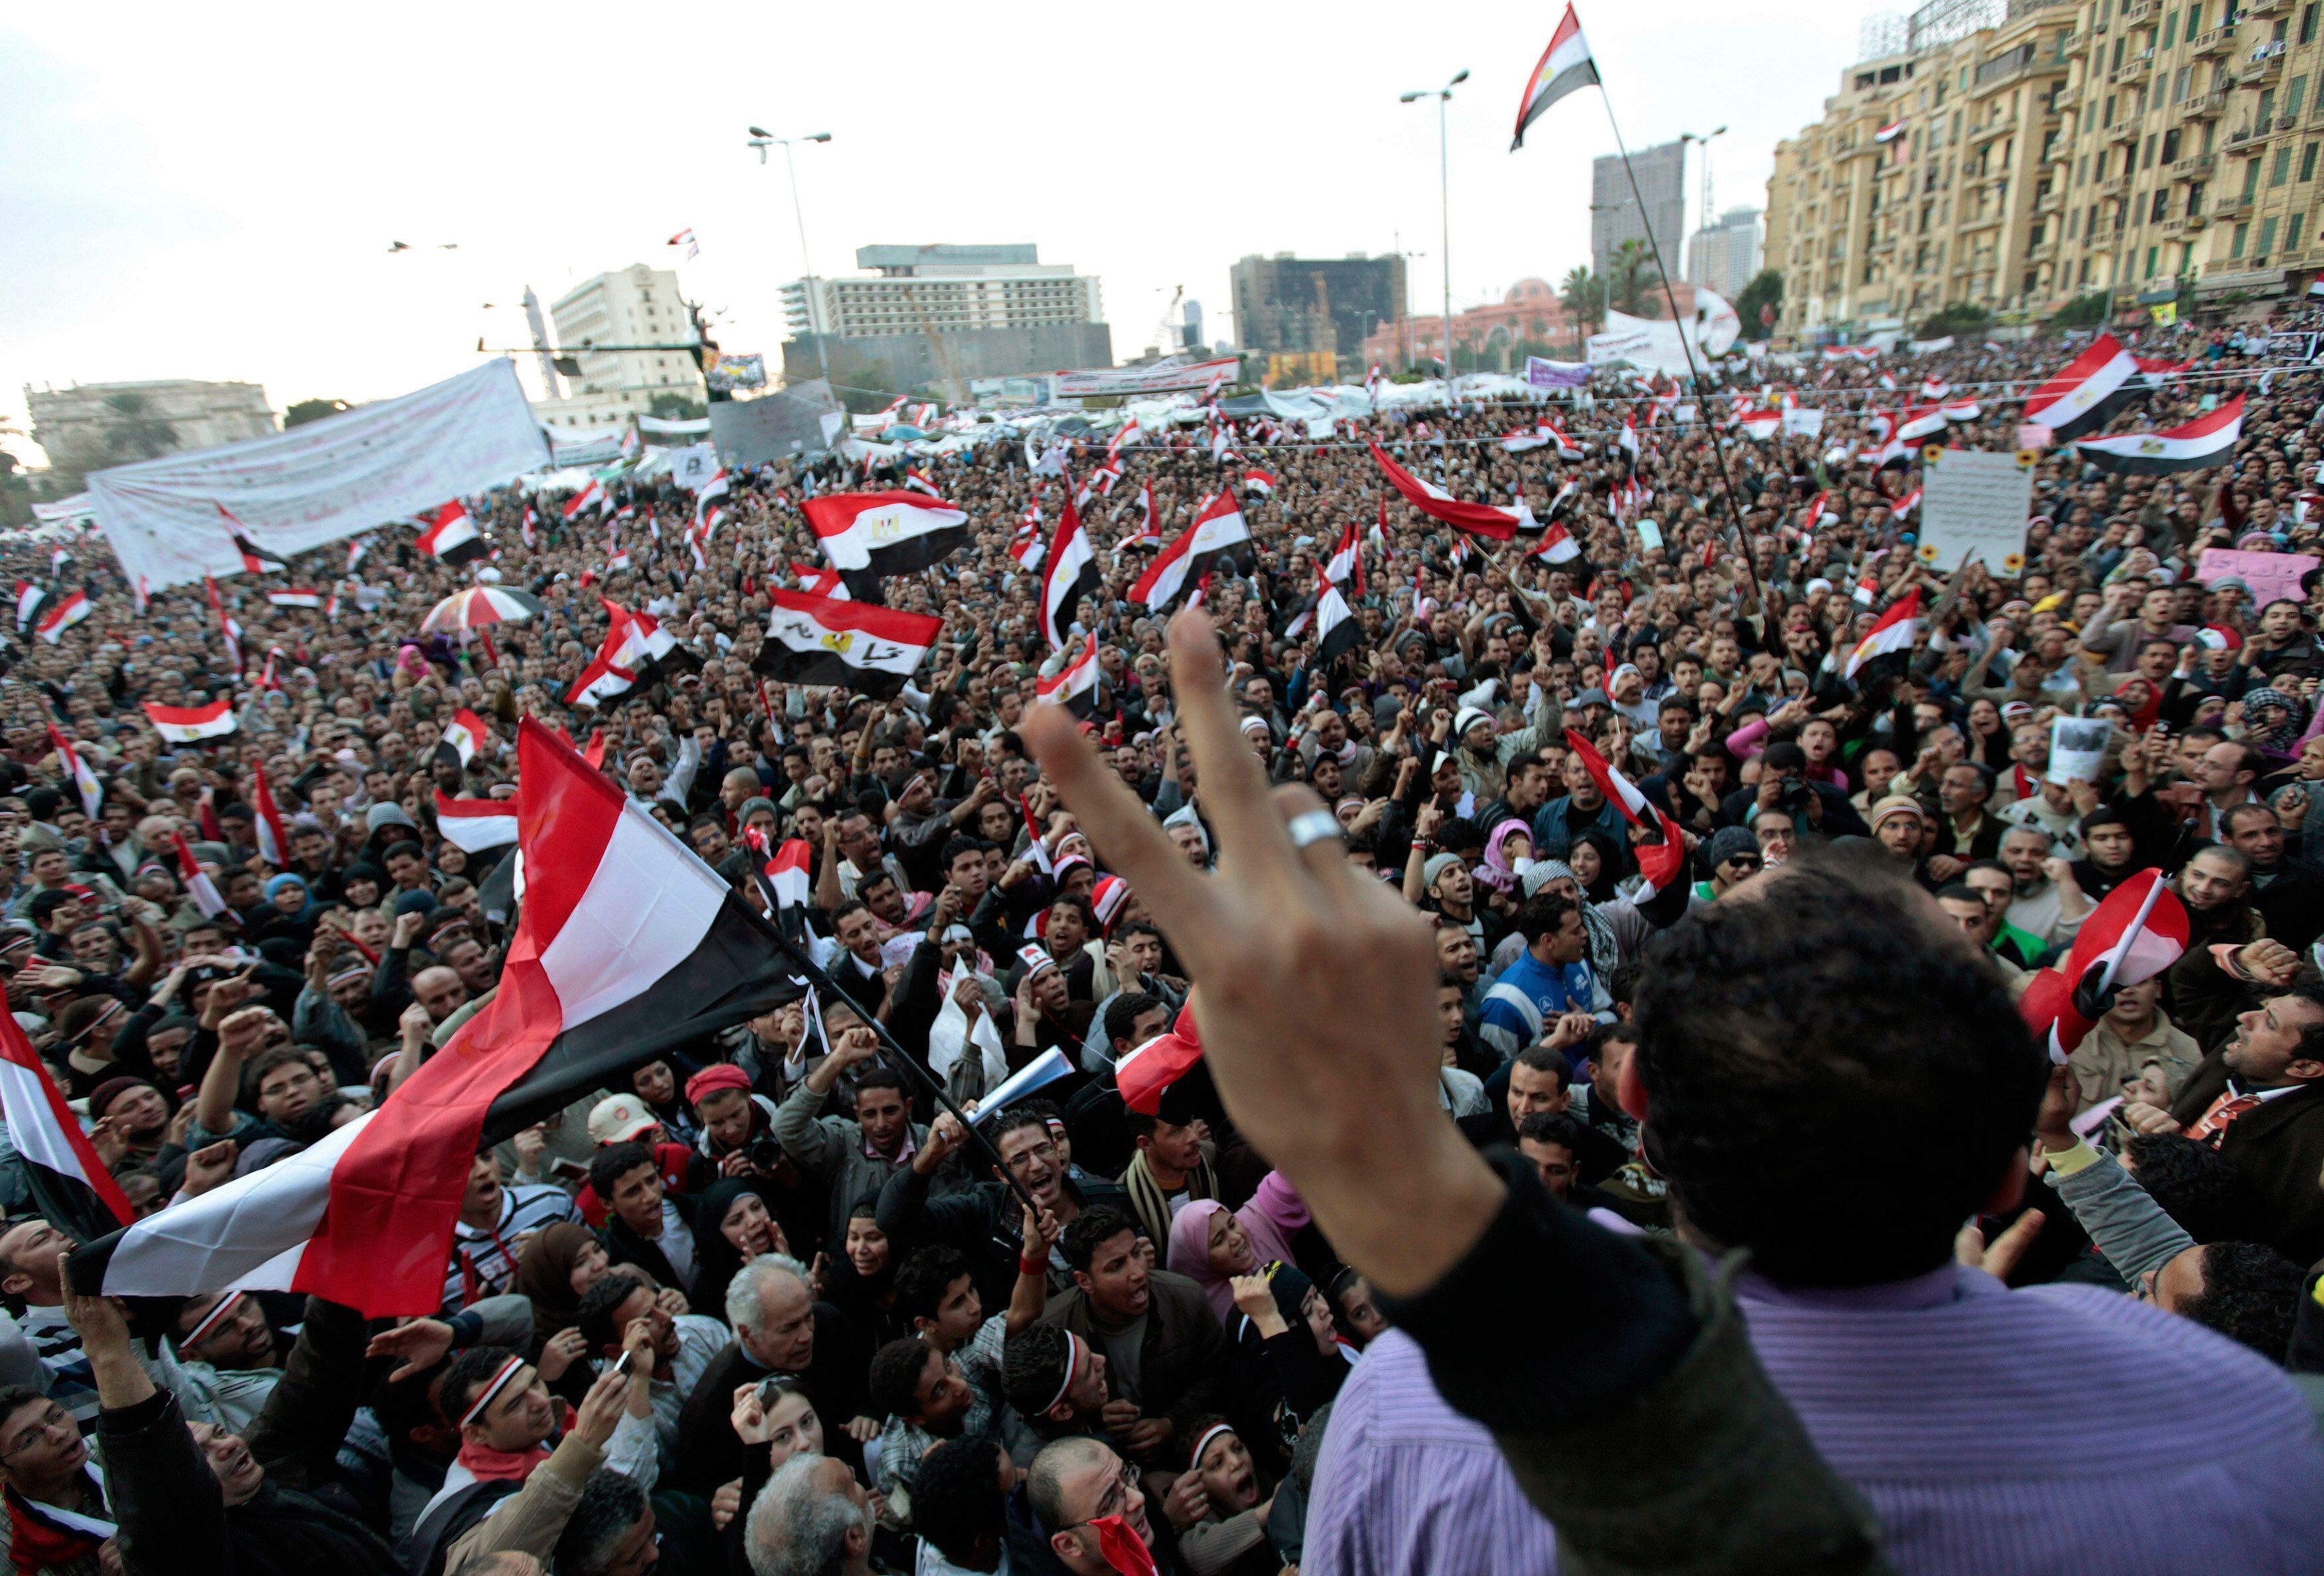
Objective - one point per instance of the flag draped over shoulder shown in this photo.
(626, 945)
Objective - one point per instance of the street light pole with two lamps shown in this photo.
(762, 140)
(1443, 95)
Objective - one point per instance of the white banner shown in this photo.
(1143, 380)
(1806, 421)
(1975, 501)
(656, 424)
(317, 483)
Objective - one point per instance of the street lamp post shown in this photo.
(761, 141)
(1444, 97)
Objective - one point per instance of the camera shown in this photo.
(1794, 796)
(764, 1153)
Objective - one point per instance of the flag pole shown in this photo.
(892, 1049)
(1685, 344)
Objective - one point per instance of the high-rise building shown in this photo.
(1614, 214)
(1285, 304)
(2038, 150)
(940, 316)
(92, 425)
(636, 306)
(1726, 255)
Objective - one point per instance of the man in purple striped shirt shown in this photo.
(1829, 1082)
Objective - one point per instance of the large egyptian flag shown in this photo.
(1068, 574)
(1218, 532)
(1483, 519)
(852, 645)
(626, 945)
(2206, 441)
(477, 824)
(1888, 645)
(69, 1185)
(1564, 67)
(191, 724)
(867, 535)
(2086, 390)
(1337, 633)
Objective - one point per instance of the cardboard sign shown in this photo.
(1975, 502)
(2270, 576)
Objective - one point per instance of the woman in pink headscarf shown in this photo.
(1209, 1244)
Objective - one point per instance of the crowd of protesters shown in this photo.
(760, 1306)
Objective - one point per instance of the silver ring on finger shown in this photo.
(1314, 827)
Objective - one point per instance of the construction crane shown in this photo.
(1167, 333)
(936, 344)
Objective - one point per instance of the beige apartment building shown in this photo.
(2037, 150)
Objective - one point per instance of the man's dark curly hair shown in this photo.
(2251, 1293)
(1836, 1080)
(2194, 1185)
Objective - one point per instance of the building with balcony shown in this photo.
(636, 309)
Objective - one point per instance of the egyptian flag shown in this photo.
(92, 792)
(2157, 371)
(852, 645)
(917, 480)
(1818, 512)
(361, 545)
(1027, 547)
(1345, 567)
(197, 883)
(1337, 633)
(1218, 532)
(1965, 409)
(2085, 392)
(68, 612)
(821, 581)
(296, 596)
(785, 870)
(617, 560)
(1895, 451)
(1068, 574)
(640, 644)
(605, 678)
(255, 559)
(1500, 524)
(1923, 422)
(2206, 441)
(451, 537)
(1148, 534)
(2138, 931)
(462, 737)
(592, 494)
(1558, 545)
(1259, 481)
(29, 597)
(873, 534)
(69, 1185)
(1906, 505)
(1146, 1074)
(626, 945)
(524, 528)
(1889, 133)
(191, 724)
(475, 825)
(49, 1537)
(1660, 864)
(1888, 643)
(1564, 67)
(1075, 687)
(1934, 389)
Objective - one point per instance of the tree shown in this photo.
(676, 408)
(1632, 279)
(1960, 317)
(134, 432)
(307, 411)
(1583, 295)
(16, 493)
(2087, 310)
(1761, 304)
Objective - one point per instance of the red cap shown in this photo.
(711, 1080)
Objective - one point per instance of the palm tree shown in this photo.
(1583, 295)
(136, 433)
(1632, 279)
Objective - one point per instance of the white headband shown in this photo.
(493, 1387)
(1073, 1362)
(1195, 1463)
(211, 1320)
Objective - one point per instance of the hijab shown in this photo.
(544, 1272)
(2284, 739)
(275, 884)
(1190, 1250)
(1612, 858)
(715, 1259)
(1496, 871)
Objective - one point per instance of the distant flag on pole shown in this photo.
(1564, 67)
(1891, 131)
(686, 239)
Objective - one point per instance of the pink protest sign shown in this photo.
(2270, 574)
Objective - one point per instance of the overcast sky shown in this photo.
(183, 196)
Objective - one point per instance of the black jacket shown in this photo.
(623, 1246)
(984, 1222)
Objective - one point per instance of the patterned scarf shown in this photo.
(1153, 1205)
